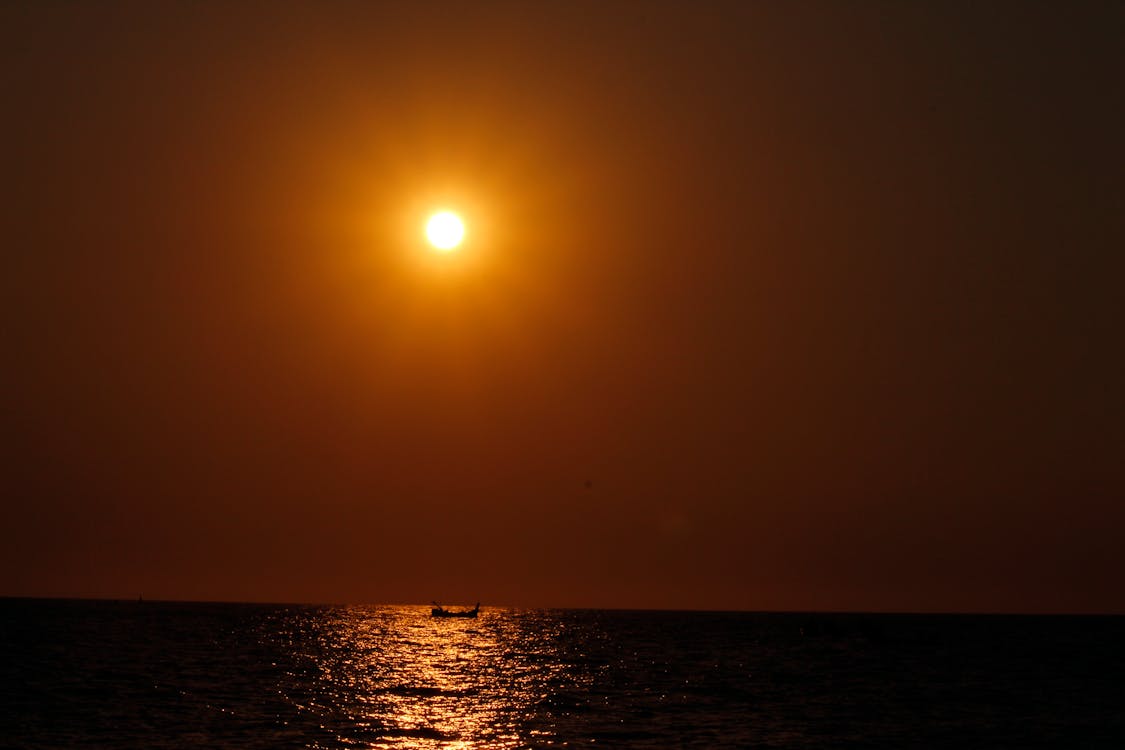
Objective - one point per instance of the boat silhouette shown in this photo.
(440, 611)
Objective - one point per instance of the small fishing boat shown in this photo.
(440, 611)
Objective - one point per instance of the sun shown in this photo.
(445, 230)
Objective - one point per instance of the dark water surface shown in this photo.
(157, 675)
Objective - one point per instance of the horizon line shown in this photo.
(921, 612)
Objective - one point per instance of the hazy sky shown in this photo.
(763, 305)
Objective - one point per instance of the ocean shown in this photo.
(185, 675)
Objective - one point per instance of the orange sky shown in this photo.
(822, 299)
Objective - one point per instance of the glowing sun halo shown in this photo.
(445, 230)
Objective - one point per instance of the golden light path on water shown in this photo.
(395, 677)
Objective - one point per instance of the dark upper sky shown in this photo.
(764, 305)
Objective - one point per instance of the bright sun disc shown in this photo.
(445, 230)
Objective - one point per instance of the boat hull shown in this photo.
(442, 612)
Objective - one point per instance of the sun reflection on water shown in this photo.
(395, 677)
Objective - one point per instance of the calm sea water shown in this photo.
(159, 675)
